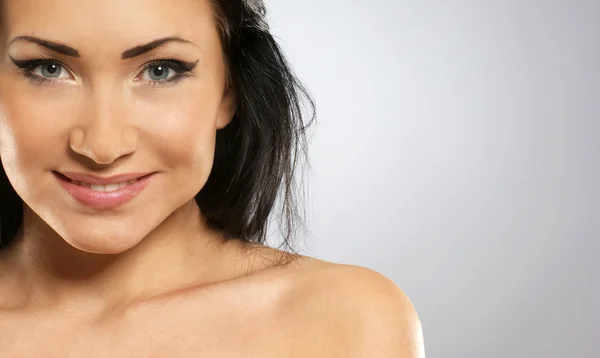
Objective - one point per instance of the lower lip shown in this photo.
(104, 200)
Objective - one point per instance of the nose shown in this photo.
(104, 133)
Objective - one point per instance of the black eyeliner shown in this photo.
(182, 69)
(178, 65)
(26, 67)
(27, 64)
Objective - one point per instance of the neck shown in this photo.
(182, 252)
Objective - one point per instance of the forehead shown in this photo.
(110, 23)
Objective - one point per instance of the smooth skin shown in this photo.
(150, 279)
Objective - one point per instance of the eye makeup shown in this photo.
(27, 67)
(182, 69)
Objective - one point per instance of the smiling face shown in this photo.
(79, 92)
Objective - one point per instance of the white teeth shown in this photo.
(108, 187)
(97, 187)
(104, 188)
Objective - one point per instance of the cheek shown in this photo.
(184, 136)
(28, 129)
(33, 120)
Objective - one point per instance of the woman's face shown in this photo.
(101, 107)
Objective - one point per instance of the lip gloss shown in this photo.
(106, 199)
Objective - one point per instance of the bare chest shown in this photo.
(156, 332)
(161, 338)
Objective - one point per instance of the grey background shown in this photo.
(456, 152)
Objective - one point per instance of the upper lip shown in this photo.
(93, 179)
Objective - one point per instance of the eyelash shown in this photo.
(182, 70)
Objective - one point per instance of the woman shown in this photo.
(143, 145)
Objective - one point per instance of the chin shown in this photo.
(101, 248)
(104, 244)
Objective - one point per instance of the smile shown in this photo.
(104, 196)
(101, 187)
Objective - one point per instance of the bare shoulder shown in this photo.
(352, 311)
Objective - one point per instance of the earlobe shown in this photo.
(227, 109)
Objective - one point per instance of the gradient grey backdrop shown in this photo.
(456, 152)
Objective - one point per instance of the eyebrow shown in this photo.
(141, 49)
(69, 51)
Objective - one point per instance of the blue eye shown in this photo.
(43, 70)
(51, 70)
(163, 72)
(159, 72)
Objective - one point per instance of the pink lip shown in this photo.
(104, 200)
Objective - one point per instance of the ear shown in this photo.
(227, 108)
